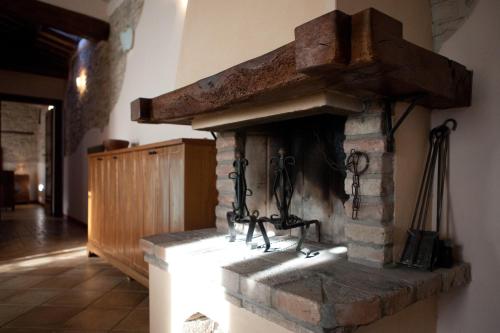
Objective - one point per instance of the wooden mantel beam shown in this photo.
(47, 15)
(363, 55)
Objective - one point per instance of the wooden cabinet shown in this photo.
(146, 190)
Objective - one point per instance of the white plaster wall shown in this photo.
(75, 177)
(474, 175)
(219, 34)
(150, 71)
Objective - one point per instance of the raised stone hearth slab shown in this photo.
(320, 293)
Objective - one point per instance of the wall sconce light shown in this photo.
(50, 107)
(81, 81)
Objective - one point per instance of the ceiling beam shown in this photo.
(40, 13)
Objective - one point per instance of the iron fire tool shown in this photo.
(283, 192)
(424, 249)
(240, 212)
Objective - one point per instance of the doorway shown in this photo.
(32, 152)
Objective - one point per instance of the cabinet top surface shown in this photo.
(161, 144)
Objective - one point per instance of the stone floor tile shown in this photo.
(41, 259)
(136, 321)
(10, 312)
(34, 297)
(79, 331)
(22, 282)
(27, 231)
(131, 285)
(5, 277)
(25, 330)
(48, 270)
(60, 282)
(97, 319)
(144, 303)
(120, 299)
(111, 271)
(100, 283)
(83, 272)
(4, 293)
(78, 298)
(44, 317)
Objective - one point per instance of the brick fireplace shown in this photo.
(321, 192)
(332, 91)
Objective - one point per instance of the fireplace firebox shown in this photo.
(292, 175)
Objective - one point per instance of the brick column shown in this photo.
(370, 236)
(227, 145)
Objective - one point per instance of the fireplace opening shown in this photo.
(318, 175)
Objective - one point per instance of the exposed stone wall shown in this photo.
(24, 153)
(104, 64)
(447, 17)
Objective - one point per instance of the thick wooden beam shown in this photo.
(323, 42)
(41, 13)
(141, 109)
(363, 55)
(268, 78)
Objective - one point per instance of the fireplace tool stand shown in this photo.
(240, 212)
(283, 192)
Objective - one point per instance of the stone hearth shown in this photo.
(321, 293)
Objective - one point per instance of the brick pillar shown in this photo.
(370, 236)
(227, 143)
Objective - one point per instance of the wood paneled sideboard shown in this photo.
(146, 190)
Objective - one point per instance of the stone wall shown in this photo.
(104, 64)
(24, 152)
(447, 17)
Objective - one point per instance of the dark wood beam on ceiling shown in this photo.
(43, 14)
(35, 62)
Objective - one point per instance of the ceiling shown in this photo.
(40, 38)
(33, 48)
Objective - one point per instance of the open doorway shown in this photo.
(31, 152)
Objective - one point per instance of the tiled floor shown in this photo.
(28, 231)
(55, 287)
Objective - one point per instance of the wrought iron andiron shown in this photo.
(240, 212)
(283, 192)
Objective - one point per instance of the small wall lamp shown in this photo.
(81, 81)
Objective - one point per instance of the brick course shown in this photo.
(370, 237)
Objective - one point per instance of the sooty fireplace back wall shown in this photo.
(316, 143)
